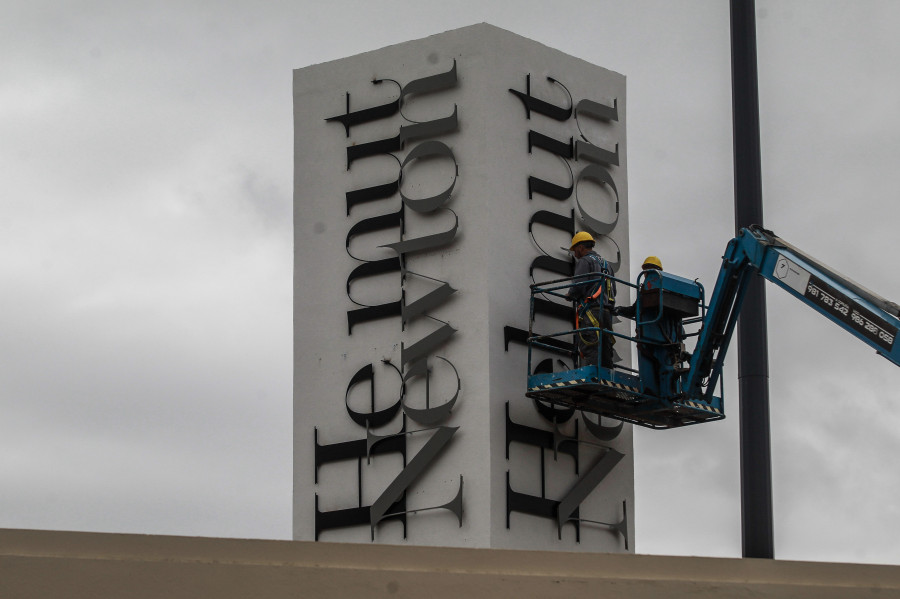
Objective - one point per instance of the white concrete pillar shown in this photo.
(396, 277)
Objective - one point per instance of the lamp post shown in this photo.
(753, 362)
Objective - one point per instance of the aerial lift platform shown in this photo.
(673, 387)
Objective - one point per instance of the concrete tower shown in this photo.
(435, 180)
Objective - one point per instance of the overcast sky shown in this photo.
(146, 239)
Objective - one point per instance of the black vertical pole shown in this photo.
(753, 361)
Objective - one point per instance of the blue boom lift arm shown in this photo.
(675, 388)
(862, 313)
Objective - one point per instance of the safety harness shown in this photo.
(604, 294)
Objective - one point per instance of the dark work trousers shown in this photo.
(587, 340)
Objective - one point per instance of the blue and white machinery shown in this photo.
(673, 387)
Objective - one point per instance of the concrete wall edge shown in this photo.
(375, 564)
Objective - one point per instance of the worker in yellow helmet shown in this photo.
(594, 299)
(654, 322)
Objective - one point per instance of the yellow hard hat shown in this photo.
(652, 262)
(580, 237)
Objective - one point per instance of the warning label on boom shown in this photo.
(846, 310)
